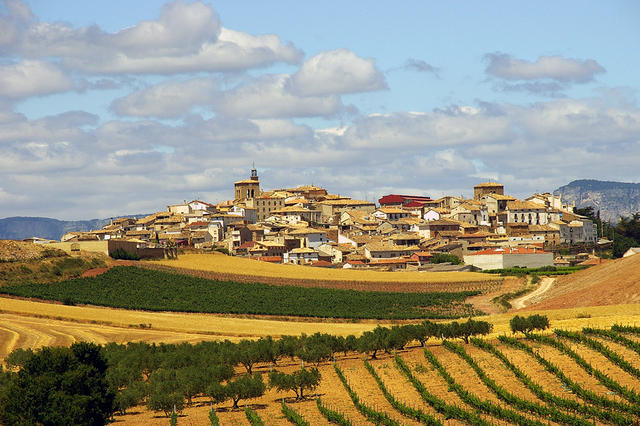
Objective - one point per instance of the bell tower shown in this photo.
(248, 188)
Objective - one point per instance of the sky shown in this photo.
(125, 107)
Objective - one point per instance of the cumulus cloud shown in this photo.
(447, 127)
(269, 97)
(168, 99)
(32, 78)
(181, 28)
(337, 71)
(557, 68)
(186, 37)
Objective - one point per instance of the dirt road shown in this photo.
(545, 284)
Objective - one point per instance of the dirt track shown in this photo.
(545, 284)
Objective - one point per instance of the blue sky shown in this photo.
(110, 108)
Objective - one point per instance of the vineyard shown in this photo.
(565, 379)
(144, 289)
(561, 378)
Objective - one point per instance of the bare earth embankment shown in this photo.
(612, 283)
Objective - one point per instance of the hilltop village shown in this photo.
(309, 226)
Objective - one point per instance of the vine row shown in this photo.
(293, 416)
(449, 411)
(331, 415)
(253, 417)
(603, 349)
(567, 404)
(614, 336)
(370, 413)
(585, 394)
(471, 399)
(607, 381)
(522, 404)
(402, 408)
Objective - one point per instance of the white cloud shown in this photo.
(400, 130)
(32, 78)
(168, 99)
(268, 97)
(182, 28)
(583, 122)
(337, 71)
(187, 37)
(557, 68)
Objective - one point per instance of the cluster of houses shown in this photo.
(309, 226)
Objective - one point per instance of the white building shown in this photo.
(509, 257)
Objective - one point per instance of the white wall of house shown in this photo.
(509, 260)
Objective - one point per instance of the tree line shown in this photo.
(624, 234)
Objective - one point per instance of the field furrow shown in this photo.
(367, 389)
(463, 375)
(309, 410)
(333, 393)
(500, 374)
(569, 367)
(400, 387)
(434, 383)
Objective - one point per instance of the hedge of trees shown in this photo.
(117, 377)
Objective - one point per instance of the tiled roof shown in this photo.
(306, 231)
(524, 205)
(376, 247)
(346, 202)
(303, 250)
(500, 197)
(509, 250)
(488, 185)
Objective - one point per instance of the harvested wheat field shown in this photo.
(217, 262)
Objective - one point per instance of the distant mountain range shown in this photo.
(19, 228)
(612, 199)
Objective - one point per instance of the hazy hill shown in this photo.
(19, 228)
(613, 199)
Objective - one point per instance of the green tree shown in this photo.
(528, 324)
(244, 387)
(164, 392)
(298, 381)
(60, 386)
(446, 258)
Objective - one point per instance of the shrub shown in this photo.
(446, 258)
(124, 254)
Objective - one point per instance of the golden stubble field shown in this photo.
(217, 262)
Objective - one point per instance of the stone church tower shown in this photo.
(248, 188)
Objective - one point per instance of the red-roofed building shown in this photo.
(509, 257)
(394, 200)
